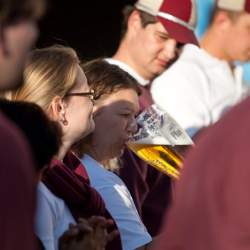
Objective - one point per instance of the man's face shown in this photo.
(18, 39)
(238, 46)
(152, 50)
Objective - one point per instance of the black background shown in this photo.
(91, 27)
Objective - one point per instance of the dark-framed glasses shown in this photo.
(90, 94)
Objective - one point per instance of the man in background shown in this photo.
(150, 34)
(204, 82)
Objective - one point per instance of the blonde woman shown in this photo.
(55, 81)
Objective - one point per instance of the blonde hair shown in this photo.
(50, 72)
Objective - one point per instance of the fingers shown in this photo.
(95, 221)
(112, 235)
(83, 226)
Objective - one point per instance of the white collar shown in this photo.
(128, 69)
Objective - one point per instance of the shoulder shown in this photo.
(15, 153)
(121, 206)
(12, 140)
(48, 202)
(186, 75)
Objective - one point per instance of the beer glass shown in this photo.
(160, 141)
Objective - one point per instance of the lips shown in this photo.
(126, 140)
(163, 63)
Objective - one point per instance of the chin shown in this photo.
(158, 70)
(91, 127)
(88, 131)
(120, 153)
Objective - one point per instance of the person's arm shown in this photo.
(121, 206)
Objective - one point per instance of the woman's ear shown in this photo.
(57, 110)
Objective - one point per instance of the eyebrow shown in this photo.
(163, 33)
(128, 109)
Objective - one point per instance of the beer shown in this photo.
(164, 158)
(154, 141)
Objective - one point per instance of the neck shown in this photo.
(63, 150)
(214, 45)
(125, 55)
(96, 154)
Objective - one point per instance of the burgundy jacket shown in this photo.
(69, 181)
(212, 203)
(17, 189)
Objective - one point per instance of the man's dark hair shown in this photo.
(12, 11)
(145, 18)
(42, 134)
(105, 78)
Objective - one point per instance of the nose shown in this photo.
(169, 50)
(132, 126)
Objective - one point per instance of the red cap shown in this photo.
(179, 19)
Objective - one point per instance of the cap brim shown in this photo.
(180, 33)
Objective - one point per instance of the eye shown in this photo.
(125, 114)
(161, 37)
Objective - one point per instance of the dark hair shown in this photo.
(145, 18)
(105, 78)
(12, 11)
(43, 135)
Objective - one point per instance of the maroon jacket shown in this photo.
(17, 190)
(149, 188)
(70, 181)
(212, 203)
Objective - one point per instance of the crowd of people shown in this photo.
(68, 180)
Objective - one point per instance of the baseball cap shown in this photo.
(234, 5)
(177, 16)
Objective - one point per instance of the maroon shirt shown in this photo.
(17, 190)
(212, 203)
(150, 189)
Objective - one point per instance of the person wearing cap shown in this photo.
(204, 83)
(146, 49)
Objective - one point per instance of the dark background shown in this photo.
(91, 27)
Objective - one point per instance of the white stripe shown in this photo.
(175, 19)
(233, 5)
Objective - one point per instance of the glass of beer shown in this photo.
(160, 142)
(164, 158)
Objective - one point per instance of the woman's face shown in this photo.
(115, 122)
(78, 110)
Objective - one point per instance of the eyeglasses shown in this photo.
(90, 94)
